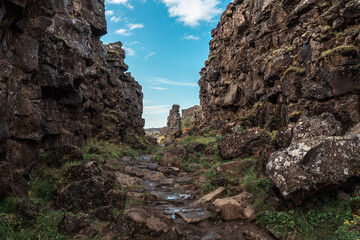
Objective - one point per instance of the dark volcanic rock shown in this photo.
(243, 144)
(275, 61)
(316, 163)
(59, 85)
(72, 224)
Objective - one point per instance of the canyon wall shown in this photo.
(59, 85)
(272, 62)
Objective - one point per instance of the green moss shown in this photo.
(351, 3)
(103, 69)
(297, 70)
(113, 52)
(294, 115)
(344, 50)
(59, 39)
(272, 134)
(325, 28)
(324, 5)
(289, 50)
(112, 60)
(357, 67)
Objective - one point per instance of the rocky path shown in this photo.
(175, 205)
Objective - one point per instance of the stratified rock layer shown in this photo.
(273, 61)
(59, 85)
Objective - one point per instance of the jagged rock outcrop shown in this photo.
(59, 85)
(173, 128)
(272, 62)
(194, 114)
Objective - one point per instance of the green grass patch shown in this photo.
(185, 123)
(192, 139)
(329, 220)
(106, 150)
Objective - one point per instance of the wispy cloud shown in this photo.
(159, 88)
(158, 109)
(130, 52)
(109, 13)
(192, 12)
(165, 81)
(191, 37)
(150, 55)
(115, 19)
(123, 2)
(130, 27)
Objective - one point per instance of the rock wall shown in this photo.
(272, 62)
(59, 85)
(194, 113)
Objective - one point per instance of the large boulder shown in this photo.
(315, 163)
(177, 152)
(242, 144)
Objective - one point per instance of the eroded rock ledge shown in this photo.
(59, 85)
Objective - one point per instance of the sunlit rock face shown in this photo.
(271, 62)
(59, 85)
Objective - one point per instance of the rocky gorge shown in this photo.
(273, 152)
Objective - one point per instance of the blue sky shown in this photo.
(166, 44)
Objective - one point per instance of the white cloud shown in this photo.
(115, 19)
(158, 109)
(191, 37)
(192, 12)
(133, 26)
(109, 13)
(165, 81)
(123, 2)
(150, 55)
(130, 27)
(129, 51)
(159, 88)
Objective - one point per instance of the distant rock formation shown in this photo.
(272, 62)
(173, 128)
(59, 85)
(194, 114)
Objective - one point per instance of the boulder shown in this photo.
(314, 164)
(196, 147)
(143, 221)
(177, 152)
(116, 198)
(237, 207)
(243, 144)
(83, 195)
(72, 224)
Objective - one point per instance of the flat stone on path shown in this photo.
(194, 215)
(209, 198)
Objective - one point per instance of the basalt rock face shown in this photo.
(273, 61)
(59, 85)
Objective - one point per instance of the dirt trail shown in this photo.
(173, 193)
